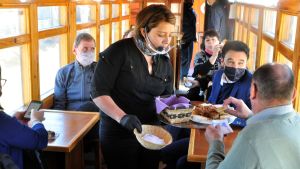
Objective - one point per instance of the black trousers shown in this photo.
(121, 150)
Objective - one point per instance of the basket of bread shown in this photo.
(153, 137)
(174, 109)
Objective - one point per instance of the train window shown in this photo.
(254, 17)
(246, 14)
(288, 30)
(245, 34)
(260, 2)
(242, 13)
(285, 60)
(115, 27)
(14, 24)
(267, 52)
(88, 30)
(50, 17)
(49, 59)
(175, 7)
(84, 13)
(104, 11)
(269, 23)
(158, 3)
(253, 49)
(125, 26)
(236, 31)
(10, 61)
(125, 9)
(240, 32)
(115, 11)
(104, 36)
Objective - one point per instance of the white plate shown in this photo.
(205, 120)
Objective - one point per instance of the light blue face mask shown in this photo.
(86, 58)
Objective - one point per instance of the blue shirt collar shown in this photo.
(269, 113)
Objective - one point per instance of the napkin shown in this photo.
(225, 127)
(172, 102)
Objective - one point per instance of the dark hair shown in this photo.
(83, 36)
(150, 16)
(274, 81)
(237, 46)
(209, 33)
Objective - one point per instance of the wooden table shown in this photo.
(71, 126)
(198, 146)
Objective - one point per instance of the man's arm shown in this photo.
(60, 92)
(216, 154)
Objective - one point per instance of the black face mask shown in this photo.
(234, 74)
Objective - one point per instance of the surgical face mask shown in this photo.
(160, 50)
(234, 74)
(85, 58)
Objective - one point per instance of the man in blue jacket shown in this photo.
(15, 136)
(234, 80)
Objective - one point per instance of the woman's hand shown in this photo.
(130, 122)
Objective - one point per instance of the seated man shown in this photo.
(234, 80)
(73, 81)
(15, 137)
(271, 138)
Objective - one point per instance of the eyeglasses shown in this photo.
(3, 81)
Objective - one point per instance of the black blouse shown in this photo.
(122, 73)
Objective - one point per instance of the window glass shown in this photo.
(125, 26)
(14, 24)
(236, 30)
(258, 2)
(175, 7)
(266, 53)
(50, 17)
(246, 14)
(115, 11)
(245, 34)
(288, 30)
(269, 23)
(254, 17)
(242, 13)
(158, 3)
(284, 60)
(115, 31)
(125, 9)
(12, 92)
(104, 36)
(84, 13)
(104, 11)
(49, 59)
(252, 54)
(88, 30)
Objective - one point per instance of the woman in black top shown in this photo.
(128, 77)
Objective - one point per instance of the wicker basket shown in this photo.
(154, 130)
(178, 115)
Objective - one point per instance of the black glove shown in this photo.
(131, 122)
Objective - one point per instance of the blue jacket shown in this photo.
(15, 137)
(241, 90)
(73, 86)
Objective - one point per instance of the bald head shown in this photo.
(274, 81)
